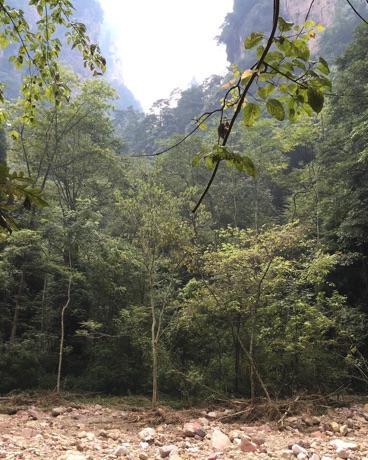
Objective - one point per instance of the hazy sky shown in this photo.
(166, 43)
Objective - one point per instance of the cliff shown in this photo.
(256, 15)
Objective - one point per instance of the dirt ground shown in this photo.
(71, 428)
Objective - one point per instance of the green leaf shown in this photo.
(250, 113)
(276, 109)
(197, 159)
(259, 51)
(308, 24)
(209, 162)
(302, 49)
(248, 166)
(285, 26)
(292, 115)
(253, 39)
(315, 99)
(323, 66)
(14, 135)
(265, 91)
(274, 56)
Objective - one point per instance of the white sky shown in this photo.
(165, 43)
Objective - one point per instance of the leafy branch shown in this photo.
(283, 67)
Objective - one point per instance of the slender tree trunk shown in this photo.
(251, 354)
(17, 307)
(154, 346)
(62, 334)
(255, 370)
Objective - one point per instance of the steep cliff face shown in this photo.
(256, 15)
(296, 11)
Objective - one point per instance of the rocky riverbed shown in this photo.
(94, 432)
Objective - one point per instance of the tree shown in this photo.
(38, 49)
(161, 238)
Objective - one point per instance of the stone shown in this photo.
(147, 434)
(121, 451)
(297, 449)
(287, 453)
(342, 452)
(258, 440)
(265, 427)
(234, 434)
(307, 420)
(56, 411)
(192, 429)
(220, 440)
(314, 456)
(165, 451)
(344, 430)
(72, 456)
(335, 427)
(247, 446)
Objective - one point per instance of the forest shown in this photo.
(111, 284)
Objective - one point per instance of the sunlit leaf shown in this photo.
(253, 39)
(276, 109)
(285, 26)
(250, 113)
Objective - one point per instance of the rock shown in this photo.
(212, 457)
(234, 434)
(56, 411)
(203, 421)
(121, 451)
(307, 420)
(287, 453)
(212, 415)
(335, 427)
(192, 429)
(342, 452)
(33, 414)
(165, 451)
(72, 456)
(220, 440)
(297, 449)
(247, 446)
(143, 456)
(264, 427)
(147, 434)
(314, 456)
(337, 443)
(344, 430)
(258, 440)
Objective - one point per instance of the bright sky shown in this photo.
(166, 43)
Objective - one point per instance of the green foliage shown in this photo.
(15, 186)
(39, 50)
(301, 83)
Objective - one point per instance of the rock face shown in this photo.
(256, 15)
(296, 10)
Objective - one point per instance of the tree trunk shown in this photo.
(154, 348)
(17, 308)
(62, 334)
